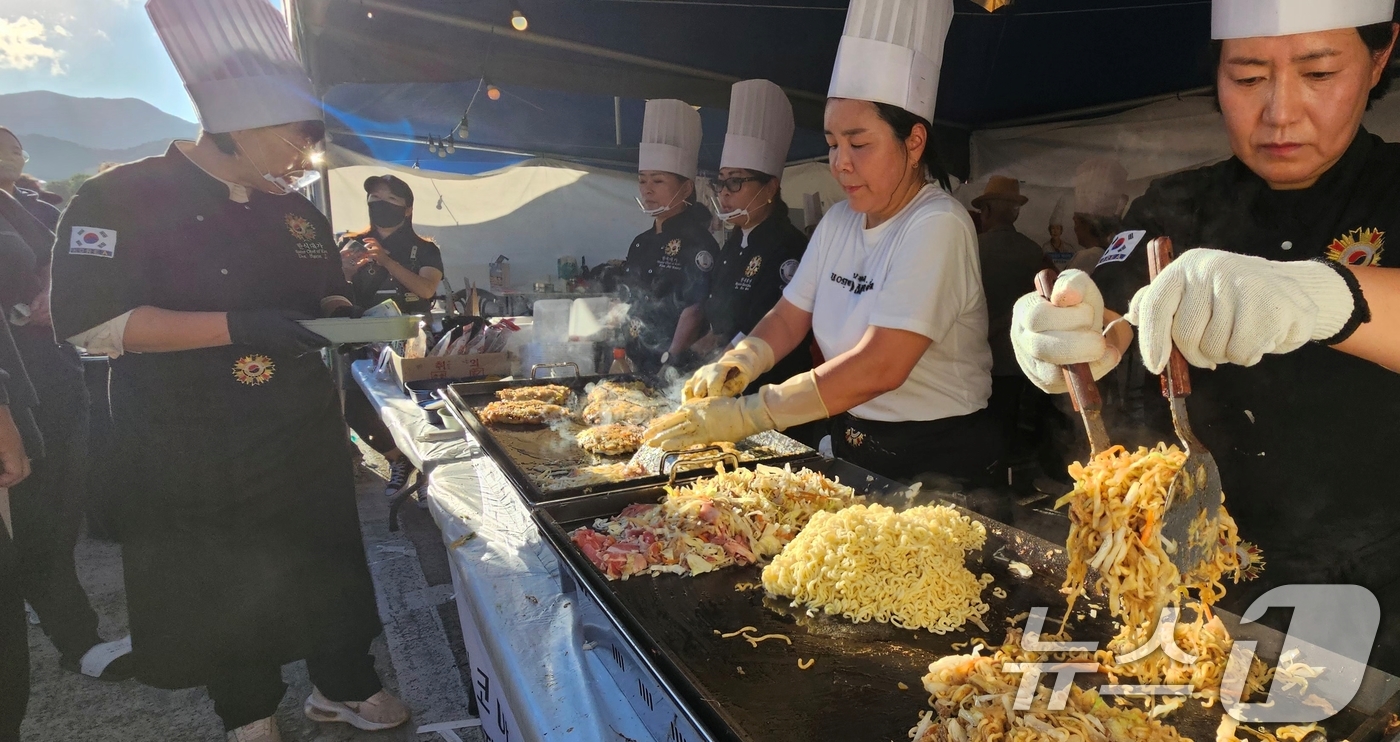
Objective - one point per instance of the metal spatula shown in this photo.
(1195, 496)
(1083, 390)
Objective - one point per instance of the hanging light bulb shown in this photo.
(493, 92)
(432, 144)
(462, 127)
(518, 21)
(370, 15)
(442, 151)
(451, 144)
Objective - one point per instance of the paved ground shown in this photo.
(420, 655)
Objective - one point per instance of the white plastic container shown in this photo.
(533, 354)
(552, 320)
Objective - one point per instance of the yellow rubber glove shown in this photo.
(732, 373)
(775, 407)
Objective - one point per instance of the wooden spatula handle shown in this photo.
(1177, 381)
(1083, 390)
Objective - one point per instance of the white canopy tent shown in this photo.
(533, 212)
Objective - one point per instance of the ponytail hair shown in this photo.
(903, 123)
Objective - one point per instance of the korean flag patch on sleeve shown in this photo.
(95, 241)
(1121, 247)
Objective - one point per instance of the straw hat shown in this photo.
(1001, 188)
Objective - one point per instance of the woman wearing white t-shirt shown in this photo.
(890, 286)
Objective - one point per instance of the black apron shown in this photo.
(241, 538)
(1303, 440)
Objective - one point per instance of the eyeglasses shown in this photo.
(734, 185)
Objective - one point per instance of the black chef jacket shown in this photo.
(1304, 440)
(45, 212)
(666, 272)
(749, 280)
(372, 282)
(241, 541)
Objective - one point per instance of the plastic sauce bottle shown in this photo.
(620, 364)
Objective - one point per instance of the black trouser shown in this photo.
(244, 694)
(960, 447)
(14, 644)
(1005, 408)
(47, 507)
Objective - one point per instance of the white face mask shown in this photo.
(658, 210)
(730, 216)
(286, 183)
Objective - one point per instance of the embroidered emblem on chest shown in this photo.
(855, 438)
(754, 265)
(1359, 248)
(673, 248)
(253, 370)
(300, 227)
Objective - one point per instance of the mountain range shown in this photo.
(65, 135)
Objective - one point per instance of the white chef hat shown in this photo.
(237, 61)
(1101, 187)
(1244, 19)
(760, 128)
(892, 52)
(670, 138)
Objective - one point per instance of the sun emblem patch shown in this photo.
(1251, 560)
(1358, 248)
(855, 438)
(754, 265)
(300, 227)
(673, 248)
(253, 370)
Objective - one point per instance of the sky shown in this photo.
(90, 49)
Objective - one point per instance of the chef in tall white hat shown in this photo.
(668, 268)
(1284, 293)
(242, 548)
(890, 284)
(764, 247)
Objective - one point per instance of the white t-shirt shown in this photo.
(918, 272)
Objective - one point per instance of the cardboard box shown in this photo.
(451, 367)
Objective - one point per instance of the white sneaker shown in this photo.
(262, 730)
(383, 710)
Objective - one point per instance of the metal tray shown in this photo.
(537, 458)
(668, 625)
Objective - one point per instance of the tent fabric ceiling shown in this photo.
(1031, 58)
(389, 122)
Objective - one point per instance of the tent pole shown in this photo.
(617, 119)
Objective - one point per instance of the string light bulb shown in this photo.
(432, 144)
(451, 144)
(370, 15)
(493, 92)
(518, 21)
(461, 130)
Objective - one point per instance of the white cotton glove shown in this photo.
(1066, 330)
(709, 420)
(732, 373)
(1221, 307)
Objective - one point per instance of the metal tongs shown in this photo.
(1083, 390)
(1191, 522)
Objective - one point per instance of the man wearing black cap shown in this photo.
(390, 259)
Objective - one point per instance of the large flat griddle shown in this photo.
(538, 458)
(852, 693)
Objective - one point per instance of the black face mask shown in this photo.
(384, 215)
